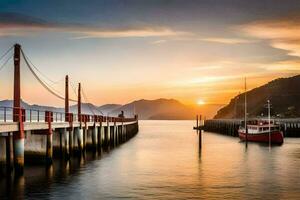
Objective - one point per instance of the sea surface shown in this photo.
(164, 162)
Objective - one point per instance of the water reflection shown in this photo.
(164, 161)
(39, 178)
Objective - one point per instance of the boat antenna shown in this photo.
(246, 130)
(269, 119)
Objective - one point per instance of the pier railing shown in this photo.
(35, 115)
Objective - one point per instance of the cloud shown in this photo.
(288, 66)
(211, 79)
(206, 67)
(226, 40)
(12, 24)
(159, 41)
(125, 33)
(282, 33)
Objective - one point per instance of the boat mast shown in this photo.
(246, 110)
(269, 119)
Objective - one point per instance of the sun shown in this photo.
(200, 102)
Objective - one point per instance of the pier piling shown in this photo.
(66, 141)
(79, 135)
(71, 140)
(8, 152)
(49, 149)
(95, 137)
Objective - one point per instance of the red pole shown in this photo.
(79, 103)
(66, 98)
(17, 83)
(17, 115)
(49, 146)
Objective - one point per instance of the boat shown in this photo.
(263, 131)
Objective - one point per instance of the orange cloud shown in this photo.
(140, 32)
(283, 66)
(226, 40)
(82, 32)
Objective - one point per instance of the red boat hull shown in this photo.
(276, 137)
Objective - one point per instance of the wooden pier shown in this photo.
(40, 132)
(289, 127)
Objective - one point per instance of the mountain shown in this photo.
(283, 93)
(159, 109)
(107, 108)
(163, 109)
(86, 108)
(154, 109)
(9, 104)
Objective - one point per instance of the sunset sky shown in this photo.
(193, 51)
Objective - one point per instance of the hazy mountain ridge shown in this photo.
(107, 108)
(159, 109)
(148, 109)
(9, 104)
(283, 93)
(166, 109)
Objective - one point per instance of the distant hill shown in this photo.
(86, 108)
(107, 108)
(283, 93)
(9, 103)
(163, 109)
(159, 109)
(155, 109)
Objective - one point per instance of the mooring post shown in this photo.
(60, 142)
(79, 135)
(70, 130)
(103, 137)
(200, 134)
(66, 135)
(8, 153)
(79, 131)
(115, 132)
(125, 132)
(67, 132)
(108, 131)
(112, 128)
(18, 136)
(95, 136)
(49, 150)
(105, 140)
(112, 132)
(119, 134)
(99, 135)
(84, 135)
(71, 140)
(122, 130)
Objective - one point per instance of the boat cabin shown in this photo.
(260, 127)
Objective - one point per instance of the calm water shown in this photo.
(163, 162)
